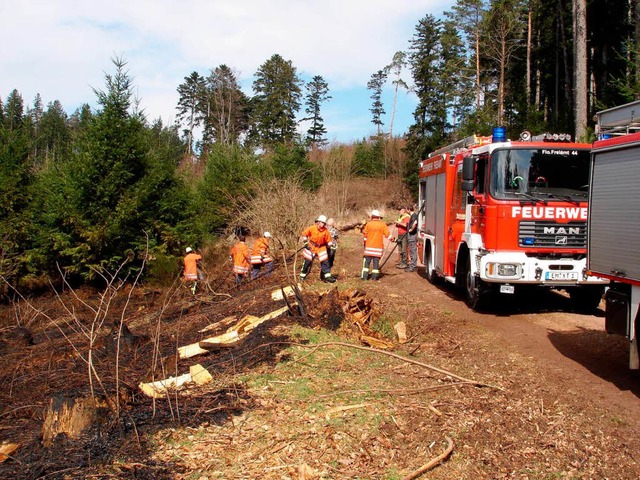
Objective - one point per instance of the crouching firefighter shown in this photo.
(317, 238)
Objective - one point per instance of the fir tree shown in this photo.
(276, 102)
(317, 93)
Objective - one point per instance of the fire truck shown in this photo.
(614, 219)
(497, 215)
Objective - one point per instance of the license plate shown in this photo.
(507, 289)
(561, 276)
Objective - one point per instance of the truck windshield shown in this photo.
(540, 174)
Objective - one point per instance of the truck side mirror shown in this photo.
(468, 173)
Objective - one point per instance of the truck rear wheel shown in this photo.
(429, 267)
(587, 298)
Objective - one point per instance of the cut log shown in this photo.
(401, 331)
(221, 323)
(197, 374)
(233, 334)
(277, 294)
(244, 325)
(200, 375)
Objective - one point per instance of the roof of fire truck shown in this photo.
(478, 145)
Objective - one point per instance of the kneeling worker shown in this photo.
(317, 238)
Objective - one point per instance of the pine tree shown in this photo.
(276, 102)
(395, 68)
(14, 111)
(317, 93)
(55, 133)
(15, 180)
(114, 194)
(468, 15)
(457, 96)
(503, 34)
(190, 105)
(226, 116)
(376, 84)
(428, 130)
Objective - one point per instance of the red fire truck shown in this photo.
(496, 215)
(614, 219)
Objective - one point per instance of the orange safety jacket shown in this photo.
(191, 266)
(374, 233)
(260, 252)
(240, 255)
(403, 223)
(318, 241)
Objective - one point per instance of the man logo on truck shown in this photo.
(562, 231)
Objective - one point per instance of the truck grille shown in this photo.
(549, 234)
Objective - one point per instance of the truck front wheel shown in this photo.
(475, 293)
(586, 298)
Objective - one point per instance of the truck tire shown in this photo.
(586, 299)
(476, 296)
(429, 268)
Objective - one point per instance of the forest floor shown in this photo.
(528, 389)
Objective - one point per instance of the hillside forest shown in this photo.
(103, 193)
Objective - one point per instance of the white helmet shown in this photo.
(375, 213)
(322, 218)
(189, 250)
(266, 235)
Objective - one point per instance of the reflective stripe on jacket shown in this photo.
(260, 252)
(374, 233)
(191, 266)
(318, 241)
(240, 255)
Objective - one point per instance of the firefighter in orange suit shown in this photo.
(317, 238)
(375, 231)
(190, 272)
(241, 259)
(260, 255)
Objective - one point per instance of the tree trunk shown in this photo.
(501, 86)
(636, 42)
(529, 48)
(478, 86)
(580, 67)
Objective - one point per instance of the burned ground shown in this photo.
(292, 399)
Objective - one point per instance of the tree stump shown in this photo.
(71, 417)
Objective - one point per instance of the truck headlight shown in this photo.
(495, 270)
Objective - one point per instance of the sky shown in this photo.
(62, 49)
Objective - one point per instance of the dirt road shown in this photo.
(560, 370)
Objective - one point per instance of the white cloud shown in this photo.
(62, 48)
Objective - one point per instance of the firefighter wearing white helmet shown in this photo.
(260, 256)
(317, 238)
(374, 232)
(191, 271)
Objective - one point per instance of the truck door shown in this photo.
(456, 216)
